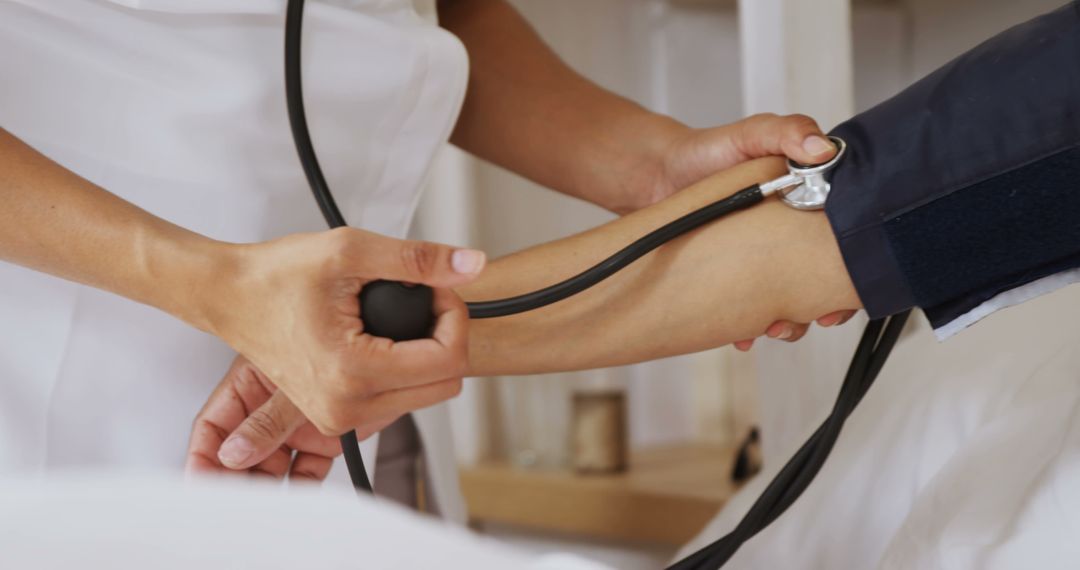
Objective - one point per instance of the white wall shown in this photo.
(638, 49)
(682, 59)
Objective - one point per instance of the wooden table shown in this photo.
(665, 498)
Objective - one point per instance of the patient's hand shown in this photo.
(791, 332)
(268, 435)
(702, 152)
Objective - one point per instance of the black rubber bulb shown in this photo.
(397, 311)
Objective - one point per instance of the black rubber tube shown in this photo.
(742, 199)
(478, 310)
(793, 478)
(294, 100)
(715, 554)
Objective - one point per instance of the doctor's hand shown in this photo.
(693, 154)
(267, 434)
(244, 396)
(290, 307)
(687, 155)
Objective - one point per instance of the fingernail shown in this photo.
(829, 320)
(816, 145)
(786, 333)
(235, 451)
(776, 330)
(467, 261)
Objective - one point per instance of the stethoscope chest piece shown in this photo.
(813, 189)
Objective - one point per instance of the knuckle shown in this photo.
(802, 122)
(419, 258)
(265, 425)
(339, 245)
(340, 238)
(248, 382)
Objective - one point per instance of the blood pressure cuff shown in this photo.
(961, 194)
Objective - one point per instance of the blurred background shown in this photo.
(705, 62)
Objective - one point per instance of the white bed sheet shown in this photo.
(81, 521)
(965, 455)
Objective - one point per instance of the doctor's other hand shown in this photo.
(244, 395)
(265, 433)
(291, 307)
(693, 154)
(686, 156)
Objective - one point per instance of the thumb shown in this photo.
(801, 140)
(261, 433)
(796, 136)
(423, 262)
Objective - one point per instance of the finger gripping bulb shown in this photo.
(396, 311)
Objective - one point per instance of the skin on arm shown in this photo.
(720, 283)
(290, 305)
(714, 285)
(54, 221)
(529, 112)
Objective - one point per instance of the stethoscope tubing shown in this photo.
(787, 486)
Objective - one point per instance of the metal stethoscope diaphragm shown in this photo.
(805, 187)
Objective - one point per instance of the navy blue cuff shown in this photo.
(878, 279)
(925, 205)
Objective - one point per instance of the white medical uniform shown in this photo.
(178, 106)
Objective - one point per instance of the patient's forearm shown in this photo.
(724, 282)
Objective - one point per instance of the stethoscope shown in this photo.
(399, 312)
